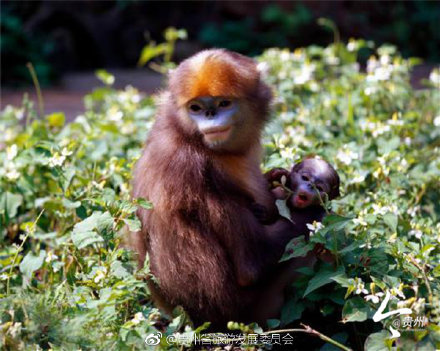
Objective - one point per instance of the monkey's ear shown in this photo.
(297, 167)
(334, 193)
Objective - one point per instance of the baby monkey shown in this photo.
(307, 187)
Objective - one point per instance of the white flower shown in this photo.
(3, 276)
(304, 75)
(50, 257)
(437, 121)
(56, 160)
(65, 152)
(285, 56)
(360, 220)
(263, 68)
(385, 60)
(415, 232)
(372, 64)
(314, 227)
(360, 287)
(351, 46)
(332, 60)
(397, 292)
(11, 152)
(358, 178)
(12, 172)
(100, 274)
(373, 297)
(370, 90)
(434, 76)
(347, 156)
(138, 317)
(412, 211)
(114, 114)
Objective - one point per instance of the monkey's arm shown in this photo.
(262, 253)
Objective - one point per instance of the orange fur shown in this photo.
(212, 73)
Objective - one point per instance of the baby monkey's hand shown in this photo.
(278, 179)
(275, 175)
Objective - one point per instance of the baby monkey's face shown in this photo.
(312, 182)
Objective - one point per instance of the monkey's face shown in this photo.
(312, 181)
(217, 119)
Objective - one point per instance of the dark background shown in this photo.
(61, 37)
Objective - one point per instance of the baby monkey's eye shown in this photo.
(224, 103)
(305, 178)
(195, 108)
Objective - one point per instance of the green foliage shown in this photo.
(66, 281)
(165, 49)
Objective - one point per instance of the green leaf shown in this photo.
(56, 119)
(133, 224)
(144, 203)
(85, 233)
(85, 238)
(334, 222)
(391, 220)
(297, 247)
(292, 311)
(151, 51)
(70, 204)
(343, 280)
(356, 310)
(323, 277)
(283, 209)
(387, 145)
(105, 77)
(378, 341)
(11, 202)
(104, 222)
(118, 270)
(31, 263)
(273, 323)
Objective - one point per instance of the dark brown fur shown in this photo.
(208, 251)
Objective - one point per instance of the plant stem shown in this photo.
(18, 251)
(308, 330)
(37, 88)
(425, 277)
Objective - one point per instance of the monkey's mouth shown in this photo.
(301, 200)
(217, 135)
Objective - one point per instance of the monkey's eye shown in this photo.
(195, 108)
(305, 178)
(320, 188)
(224, 103)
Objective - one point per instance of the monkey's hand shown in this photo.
(275, 176)
(263, 215)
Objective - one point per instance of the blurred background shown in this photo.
(66, 41)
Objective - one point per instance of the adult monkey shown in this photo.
(206, 236)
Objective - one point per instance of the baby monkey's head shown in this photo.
(310, 180)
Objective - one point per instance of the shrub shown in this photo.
(67, 283)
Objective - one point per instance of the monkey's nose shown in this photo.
(211, 112)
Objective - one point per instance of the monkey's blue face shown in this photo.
(216, 118)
